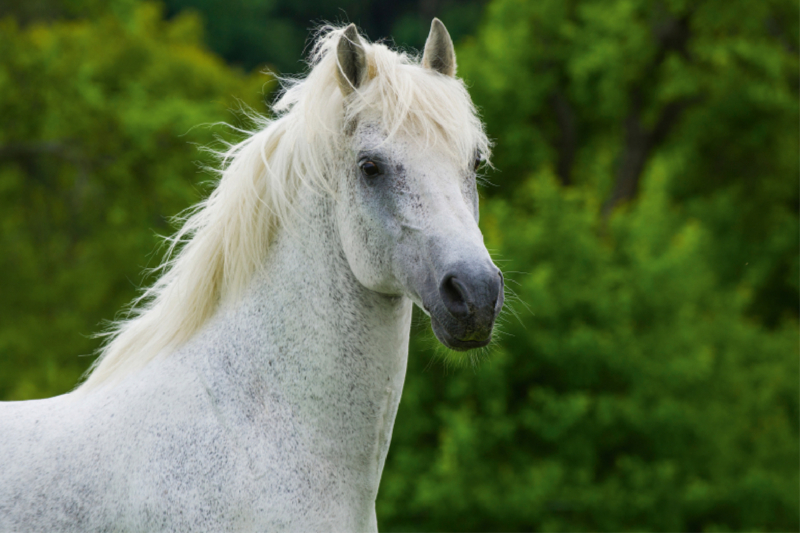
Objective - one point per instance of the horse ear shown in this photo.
(352, 60)
(439, 54)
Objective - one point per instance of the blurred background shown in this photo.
(644, 206)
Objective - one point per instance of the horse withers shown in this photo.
(256, 384)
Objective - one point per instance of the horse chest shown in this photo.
(273, 455)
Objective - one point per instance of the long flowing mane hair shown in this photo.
(225, 238)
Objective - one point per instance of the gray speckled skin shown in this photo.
(277, 415)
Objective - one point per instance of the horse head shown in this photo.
(407, 209)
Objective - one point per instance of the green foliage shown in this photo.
(650, 378)
(591, 87)
(95, 152)
(630, 394)
(51, 10)
(252, 32)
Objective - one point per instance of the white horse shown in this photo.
(256, 387)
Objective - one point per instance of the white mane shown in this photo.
(226, 237)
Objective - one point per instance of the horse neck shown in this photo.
(308, 337)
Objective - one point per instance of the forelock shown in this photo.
(409, 100)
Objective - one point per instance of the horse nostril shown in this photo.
(454, 295)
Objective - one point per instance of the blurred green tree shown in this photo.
(633, 395)
(647, 207)
(596, 89)
(94, 153)
(250, 32)
(646, 214)
(39, 11)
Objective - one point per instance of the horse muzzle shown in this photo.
(470, 296)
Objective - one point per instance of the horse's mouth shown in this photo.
(460, 343)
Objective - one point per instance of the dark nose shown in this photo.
(468, 290)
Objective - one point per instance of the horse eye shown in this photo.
(369, 169)
(478, 162)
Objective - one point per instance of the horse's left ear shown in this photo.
(439, 54)
(352, 60)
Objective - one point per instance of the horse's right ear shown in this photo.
(439, 54)
(351, 59)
